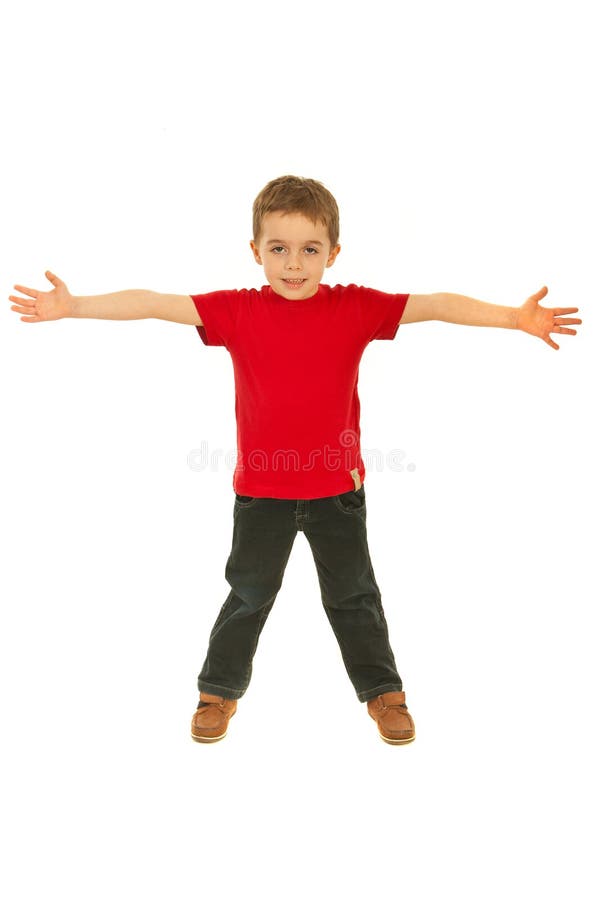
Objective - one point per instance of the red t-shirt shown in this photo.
(296, 368)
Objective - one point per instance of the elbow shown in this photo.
(439, 306)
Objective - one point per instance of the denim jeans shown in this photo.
(263, 535)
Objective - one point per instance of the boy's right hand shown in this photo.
(45, 305)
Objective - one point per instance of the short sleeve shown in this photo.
(380, 313)
(218, 311)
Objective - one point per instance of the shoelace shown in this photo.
(392, 706)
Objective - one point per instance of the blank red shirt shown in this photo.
(296, 365)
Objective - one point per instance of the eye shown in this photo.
(311, 249)
(276, 249)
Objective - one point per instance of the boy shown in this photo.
(296, 346)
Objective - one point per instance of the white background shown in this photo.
(461, 141)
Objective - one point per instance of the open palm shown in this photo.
(43, 306)
(541, 321)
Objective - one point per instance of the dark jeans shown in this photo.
(264, 531)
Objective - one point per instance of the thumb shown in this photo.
(540, 294)
(54, 279)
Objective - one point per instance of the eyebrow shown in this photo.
(305, 242)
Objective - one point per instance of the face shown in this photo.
(294, 253)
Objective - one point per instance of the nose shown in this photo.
(293, 262)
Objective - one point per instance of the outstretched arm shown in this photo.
(46, 306)
(530, 317)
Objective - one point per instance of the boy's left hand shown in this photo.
(539, 321)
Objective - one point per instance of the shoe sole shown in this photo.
(212, 740)
(208, 740)
(392, 741)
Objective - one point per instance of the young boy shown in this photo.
(296, 346)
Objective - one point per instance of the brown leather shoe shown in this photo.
(210, 721)
(390, 713)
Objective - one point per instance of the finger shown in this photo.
(53, 278)
(569, 322)
(559, 330)
(551, 343)
(22, 300)
(540, 293)
(30, 319)
(564, 310)
(25, 290)
(22, 309)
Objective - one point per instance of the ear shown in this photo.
(333, 255)
(255, 252)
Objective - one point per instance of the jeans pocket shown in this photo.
(351, 501)
(241, 500)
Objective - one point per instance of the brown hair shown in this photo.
(291, 193)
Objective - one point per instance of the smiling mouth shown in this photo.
(294, 280)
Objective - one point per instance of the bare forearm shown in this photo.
(60, 303)
(461, 310)
(132, 304)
